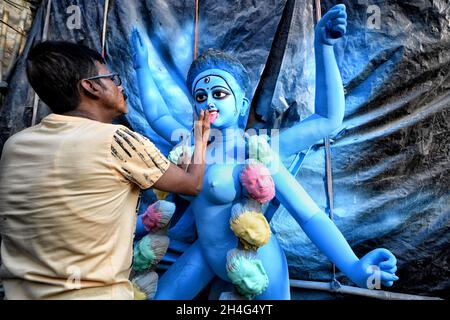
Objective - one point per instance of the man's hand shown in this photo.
(202, 129)
(376, 267)
(332, 26)
(140, 52)
(191, 182)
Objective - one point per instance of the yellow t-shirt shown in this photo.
(69, 189)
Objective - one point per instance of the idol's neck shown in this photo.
(227, 145)
(228, 135)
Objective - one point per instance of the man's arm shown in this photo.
(329, 97)
(190, 182)
(177, 181)
(137, 160)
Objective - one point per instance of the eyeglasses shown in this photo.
(115, 77)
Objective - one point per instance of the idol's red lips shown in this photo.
(213, 114)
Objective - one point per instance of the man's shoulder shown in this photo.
(20, 135)
(125, 131)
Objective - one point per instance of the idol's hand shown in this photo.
(332, 26)
(140, 52)
(376, 267)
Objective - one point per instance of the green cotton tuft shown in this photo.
(143, 255)
(165, 207)
(248, 276)
(260, 149)
(175, 155)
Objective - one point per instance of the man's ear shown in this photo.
(90, 88)
(245, 106)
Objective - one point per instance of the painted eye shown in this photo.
(220, 94)
(201, 97)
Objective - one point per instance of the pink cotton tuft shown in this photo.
(257, 180)
(151, 217)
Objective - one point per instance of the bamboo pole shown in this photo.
(318, 10)
(377, 294)
(44, 37)
(105, 25)
(196, 30)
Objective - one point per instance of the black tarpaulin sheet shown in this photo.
(391, 158)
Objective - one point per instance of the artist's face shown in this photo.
(112, 96)
(214, 93)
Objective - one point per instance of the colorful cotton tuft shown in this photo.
(256, 178)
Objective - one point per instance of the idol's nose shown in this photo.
(211, 106)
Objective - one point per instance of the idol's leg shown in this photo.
(275, 264)
(186, 277)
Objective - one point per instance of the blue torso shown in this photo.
(212, 208)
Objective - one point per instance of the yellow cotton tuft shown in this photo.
(252, 229)
(160, 195)
(138, 294)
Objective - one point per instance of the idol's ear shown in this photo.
(245, 106)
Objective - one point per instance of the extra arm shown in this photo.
(327, 237)
(318, 227)
(153, 104)
(329, 97)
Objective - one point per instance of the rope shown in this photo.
(329, 170)
(44, 37)
(196, 30)
(47, 20)
(105, 26)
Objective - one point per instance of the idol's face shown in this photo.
(224, 100)
(213, 93)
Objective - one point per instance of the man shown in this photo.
(69, 186)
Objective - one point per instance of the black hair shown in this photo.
(54, 70)
(215, 59)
